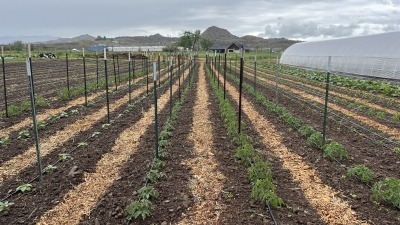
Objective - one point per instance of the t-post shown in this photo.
(328, 73)
(240, 89)
(32, 97)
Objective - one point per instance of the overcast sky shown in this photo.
(294, 19)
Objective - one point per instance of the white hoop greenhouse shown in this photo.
(375, 56)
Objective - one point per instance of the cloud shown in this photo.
(309, 29)
(298, 19)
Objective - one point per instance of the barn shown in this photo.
(231, 48)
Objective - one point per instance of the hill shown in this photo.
(220, 36)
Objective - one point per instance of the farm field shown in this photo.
(276, 170)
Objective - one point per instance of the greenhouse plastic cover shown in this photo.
(372, 56)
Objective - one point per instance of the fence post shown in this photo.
(219, 67)
(159, 70)
(129, 77)
(4, 80)
(33, 107)
(119, 76)
(277, 81)
(255, 73)
(84, 74)
(97, 70)
(170, 89)
(66, 59)
(106, 76)
(179, 76)
(115, 72)
(240, 90)
(147, 73)
(225, 75)
(328, 73)
(155, 107)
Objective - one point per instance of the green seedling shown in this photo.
(335, 151)
(24, 188)
(306, 130)
(4, 206)
(157, 164)
(95, 134)
(4, 141)
(24, 134)
(154, 175)
(387, 190)
(50, 169)
(361, 172)
(105, 126)
(74, 111)
(396, 150)
(64, 156)
(148, 192)
(163, 143)
(41, 125)
(140, 208)
(62, 115)
(316, 140)
(82, 144)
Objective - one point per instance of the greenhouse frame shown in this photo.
(375, 56)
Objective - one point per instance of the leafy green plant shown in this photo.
(154, 175)
(306, 130)
(361, 172)
(95, 134)
(316, 140)
(105, 126)
(62, 115)
(335, 151)
(4, 206)
(165, 135)
(148, 192)
(259, 170)
(41, 125)
(82, 144)
(50, 169)
(245, 153)
(396, 150)
(24, 188)
(64, 156)
(387, 190)
(163, 143)
(396, 117)
(162, 154)
(264, 191)
(157, 164)
(140, 208)
(4, 141)
(24, 134)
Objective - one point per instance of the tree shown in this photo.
(189, 39)
(206, 43)
(17, 46)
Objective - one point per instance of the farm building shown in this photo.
(232, 47)
(371, 56)
(136, 48)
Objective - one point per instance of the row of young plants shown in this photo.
(64, 94)
(353, 105)
(141, 208)
(25, 133)
(258, 170)
(302, 76)
(381, 138)
(26, 187)
(386, 190)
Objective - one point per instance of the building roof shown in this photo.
(227, 46)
